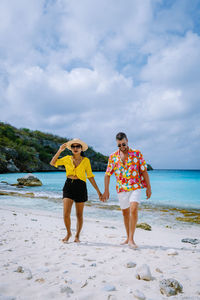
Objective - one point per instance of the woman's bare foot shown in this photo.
(65, 240)
(76, 240)
(125, 242)
(132, 245)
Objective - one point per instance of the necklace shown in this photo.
(77, 161)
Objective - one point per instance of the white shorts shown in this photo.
(126, 197)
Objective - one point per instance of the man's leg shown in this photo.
(126, 216)
(133, 222)
(67, 206)
(79, 215)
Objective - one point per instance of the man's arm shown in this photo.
(147, 180)
(106, 184)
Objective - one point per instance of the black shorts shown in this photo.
(75, 189)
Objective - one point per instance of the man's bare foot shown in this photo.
(132, 245)
(65, 240)
(76, 240)
(125, 242)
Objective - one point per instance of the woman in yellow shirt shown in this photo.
(75, 190)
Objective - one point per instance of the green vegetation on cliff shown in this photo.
(24, 150)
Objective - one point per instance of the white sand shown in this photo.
(32, 239)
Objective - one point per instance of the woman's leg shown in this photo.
(67, 206)
(79, 215)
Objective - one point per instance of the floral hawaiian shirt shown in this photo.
(128, 175)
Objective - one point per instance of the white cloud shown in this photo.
(176, 64)
(89, 69)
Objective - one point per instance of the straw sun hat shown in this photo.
(77, 141)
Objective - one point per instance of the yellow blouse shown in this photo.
(80, 171)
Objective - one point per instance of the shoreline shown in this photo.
(97, 267)
(180, 215)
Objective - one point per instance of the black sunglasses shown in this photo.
(76, 146)
(123, 144)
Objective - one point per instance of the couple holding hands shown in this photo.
(130, 170)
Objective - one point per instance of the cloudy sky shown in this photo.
(90, 69)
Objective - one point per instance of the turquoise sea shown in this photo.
(170, 188)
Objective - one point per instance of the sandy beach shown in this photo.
(35, 264)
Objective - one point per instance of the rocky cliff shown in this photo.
(24, 150)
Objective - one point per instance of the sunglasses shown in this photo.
(123, 144)
(76, 146)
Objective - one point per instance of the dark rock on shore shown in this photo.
(191, 241)
(170, 287)
(144, 226)
(29, 180)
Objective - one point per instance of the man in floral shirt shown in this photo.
(130, 170)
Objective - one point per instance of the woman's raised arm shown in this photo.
(61, 149)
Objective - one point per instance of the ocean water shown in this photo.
(173, 188)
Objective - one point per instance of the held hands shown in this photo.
(105, 196)
(148, 192)
(100, 196)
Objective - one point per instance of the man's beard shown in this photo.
(124, 149)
